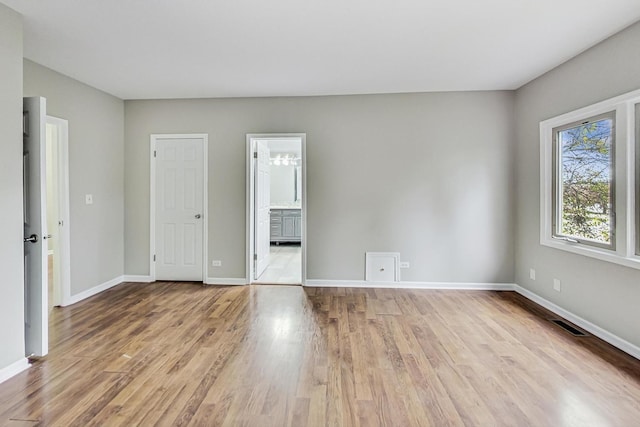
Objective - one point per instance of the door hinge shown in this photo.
(255, 154)
(255, 257)
(154, 258)
(155, 153)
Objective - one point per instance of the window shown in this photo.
(583, 181)
(590, 181)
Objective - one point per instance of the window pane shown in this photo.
(586, 187)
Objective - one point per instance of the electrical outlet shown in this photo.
(557, 285)
(532, 274)
(216, 263)
(88, 199)
(405, 265)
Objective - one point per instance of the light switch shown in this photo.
(88, 199)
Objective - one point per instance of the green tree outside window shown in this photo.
(586, 160)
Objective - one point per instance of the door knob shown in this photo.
(31, 239)
(197, 216)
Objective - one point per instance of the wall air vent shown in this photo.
(382, 267)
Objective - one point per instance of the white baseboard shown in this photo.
(137, 278)
(13, 369)
(409, 285)
(225, 281)
(93, 291)
(594, 329)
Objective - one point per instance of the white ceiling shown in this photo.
(139, 49)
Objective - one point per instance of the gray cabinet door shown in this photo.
(276, 231)
(297, 227)
(276, 225)
(288, 226)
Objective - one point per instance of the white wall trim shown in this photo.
(625, 233)
(594, 329)
(226, 281)
(93, 291)
(410, 285)
(14, 369)
(250, 184)
(137, 278)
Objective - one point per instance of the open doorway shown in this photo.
(276, 218)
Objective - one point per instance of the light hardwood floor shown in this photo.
(184, 354)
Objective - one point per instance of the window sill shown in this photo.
(593, 252)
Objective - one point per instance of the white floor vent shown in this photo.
(382, 267)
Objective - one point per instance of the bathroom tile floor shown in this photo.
(285, 265)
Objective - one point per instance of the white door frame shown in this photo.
(64, 230)
(152, 199)
(250, 230)
(263, 206)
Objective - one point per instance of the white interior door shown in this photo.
(35, 229)
(179, 183)
(263, 207)
(57, 160)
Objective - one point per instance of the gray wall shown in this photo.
(427, 175)
(603, 293)
(11, 223)
(96, 166)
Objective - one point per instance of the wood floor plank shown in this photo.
(180, 354)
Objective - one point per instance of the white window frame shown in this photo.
(557, 189)
(624, 250)
(636, 164)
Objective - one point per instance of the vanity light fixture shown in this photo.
(285, 160)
